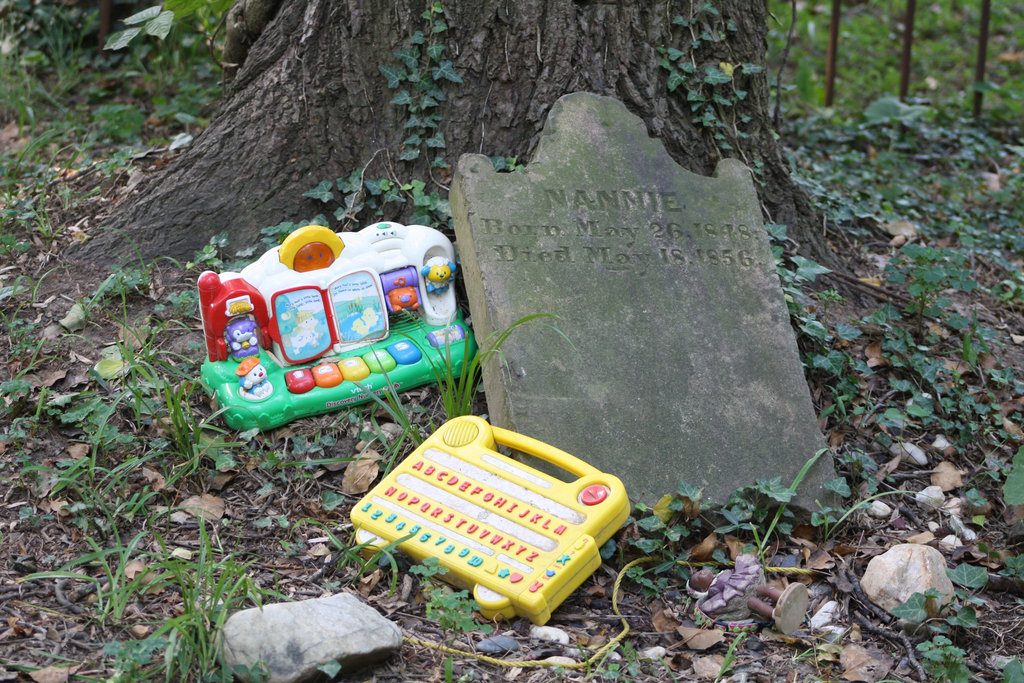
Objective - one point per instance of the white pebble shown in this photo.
(950, 542)
(550, 634)
(910, 452)
(825, 615)
(962, 531)
(564, 661)
(879, 510)
(953, 506)
(941, 443)
(933, 526)
(931, 495)
(656, 652)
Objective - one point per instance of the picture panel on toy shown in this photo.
(359, 308)
(302, 327)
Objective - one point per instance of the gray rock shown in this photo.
(672, 357)
(892, 577)
(291, 640)
(498, 644)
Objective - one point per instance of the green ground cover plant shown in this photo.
(133, 522)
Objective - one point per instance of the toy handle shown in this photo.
(546, 452)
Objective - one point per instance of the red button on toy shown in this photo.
(299, 381)
(593, 494)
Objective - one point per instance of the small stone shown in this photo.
(953, 506)
(931, 495)
(963, 531)
(910, 452)
(941, 443)
(290, 641)
(892, 577)
(558, 659)
(550, 634)
(708, 668)
(656, 652)
(879, 510)
(52, 332)
(933, 526)
(499, 644)
(825, 615)
(950, 542)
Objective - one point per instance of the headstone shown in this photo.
(671, 358)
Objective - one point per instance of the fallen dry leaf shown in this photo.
(700, 638)
(873, 352)
(703, 550)
(77, 451)
(1012, 428)
(861, 664)
(664, 621)
(154, 478)
(53, 674)
(946, 476)
(922, 538)
(204, 506)
(360, 475)
(369, 582)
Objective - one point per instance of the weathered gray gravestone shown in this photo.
(677, 361)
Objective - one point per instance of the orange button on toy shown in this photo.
(327, 375)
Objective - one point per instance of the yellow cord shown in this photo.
(601, 653)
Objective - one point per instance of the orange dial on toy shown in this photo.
(310, 248)
(313, 256)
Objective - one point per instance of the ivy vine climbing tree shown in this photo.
(361, 109)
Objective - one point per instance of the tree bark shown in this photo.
(309, 103)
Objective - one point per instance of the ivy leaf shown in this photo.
(1013, 487)
(968, 575)
(437, 140)
(435, 51)
(402, 98)
(446, 71)
(321, 192)
(675, 79)
(394, 75)
(965, 616)
(840, 486)
(409, 154)
(847, 332)
(775, 489)
(715, 76)
(807, 269)
(913, 610)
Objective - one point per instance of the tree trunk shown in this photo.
(310, 103)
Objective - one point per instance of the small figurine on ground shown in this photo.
(252, 380)
(734, 599)
(439, 273)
